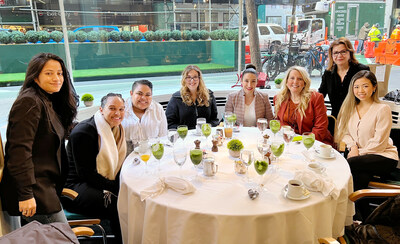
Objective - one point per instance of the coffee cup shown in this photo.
(325, 150)
(209, 167)
(295, 188)
(315, 167)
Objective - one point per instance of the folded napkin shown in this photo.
(177, 184)
(317, 182)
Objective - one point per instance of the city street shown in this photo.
(162, 85)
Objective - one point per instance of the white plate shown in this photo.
(305, 196)
(322, 169)
(318, 154)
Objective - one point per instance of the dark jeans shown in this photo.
(363, 168)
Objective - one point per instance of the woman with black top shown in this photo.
(193, 101)
(342, 66)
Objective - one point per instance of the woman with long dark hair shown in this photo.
(35, 162)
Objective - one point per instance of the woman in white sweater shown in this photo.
(364, 125)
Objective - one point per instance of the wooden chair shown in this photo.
(356, 196)
(332, 124)
(83, 222)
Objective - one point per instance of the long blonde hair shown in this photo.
(346, 42)
(305, 94)
(202, 92)
(348, 107)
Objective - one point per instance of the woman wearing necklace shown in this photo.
(364, 125)
(249, 104)
(299, 107)
(342, 66)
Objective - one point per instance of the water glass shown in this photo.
(180, 154)
(199, 123)
(262, 124)
(173, 136)
(247, 157)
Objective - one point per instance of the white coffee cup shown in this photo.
(325, 150)
(315, 167)
(295, 188)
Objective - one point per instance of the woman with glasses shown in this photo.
(249, 104)
(342, 66)
(300, 108)
(193, 101)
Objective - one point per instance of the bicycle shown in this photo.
(316, 58)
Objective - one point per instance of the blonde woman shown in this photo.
(342, 66)
(299, 107)
(249, 104)
(193, 101)
(364, 125)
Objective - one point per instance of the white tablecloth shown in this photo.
(220, 211)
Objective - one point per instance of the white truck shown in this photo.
(311, 31)
(268, 34)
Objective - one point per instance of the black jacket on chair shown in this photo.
(178, 113)
(36, 164)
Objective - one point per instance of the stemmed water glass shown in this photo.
(206, 130)
(263, 146)
(157, 148)
(182, 131)
(275, 126)
(277, 148)
(308, 140)
(262, 124)
(247, 157)
(173, 136)
(288, 135)
(261, 166)
(144, 153)
(180, 154)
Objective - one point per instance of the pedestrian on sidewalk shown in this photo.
(362, 36)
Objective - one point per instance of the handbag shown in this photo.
(393, 96)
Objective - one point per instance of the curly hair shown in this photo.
(305, 94)
(203, 94)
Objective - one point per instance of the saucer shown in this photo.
(305, 196)
(322, 169)
(318, 154)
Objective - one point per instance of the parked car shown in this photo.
(108, 28)
(268, 34)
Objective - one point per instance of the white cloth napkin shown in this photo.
(177, 184)
(317, 182)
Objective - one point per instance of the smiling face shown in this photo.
(51, 77)
(141, 97)
(192, 80)
(249, 83)
(113, 111)
(295, 82)
(340, 54)
(363, 89)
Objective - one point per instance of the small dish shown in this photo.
(321, 169)
(306, 194)
(318, 154)
(136, 150)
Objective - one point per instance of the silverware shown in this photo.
(136, 161)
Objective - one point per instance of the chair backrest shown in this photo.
(332, 124)
(1, 158)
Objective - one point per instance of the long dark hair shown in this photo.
(66, 100)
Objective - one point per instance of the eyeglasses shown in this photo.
(195, 78)
(343, 52)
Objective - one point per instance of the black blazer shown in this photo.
(82, 150)
(35, 162)
(336, 90)
(178, 113)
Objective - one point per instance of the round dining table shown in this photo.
(220, 209)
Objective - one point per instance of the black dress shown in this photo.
(178, 113)
(337, 91)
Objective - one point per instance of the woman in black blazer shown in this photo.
(35, 162)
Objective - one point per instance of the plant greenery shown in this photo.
(32, 36)
(71, 36)
(186, 35)
(5, 37)
(93, 36)
(104, 36)
(137, 35)
(166, 35)
(44, 36)
(149, 36)
(81, 36)
(235, 145)
(125, 36)
(204, 35)
(57, 36)
(87, 97)
(195, 35)
(278, 81)
(114, 35)
(158, 35)
(18, 37)
(176, 35)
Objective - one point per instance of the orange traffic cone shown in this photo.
(384, 38)
(369, 49)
